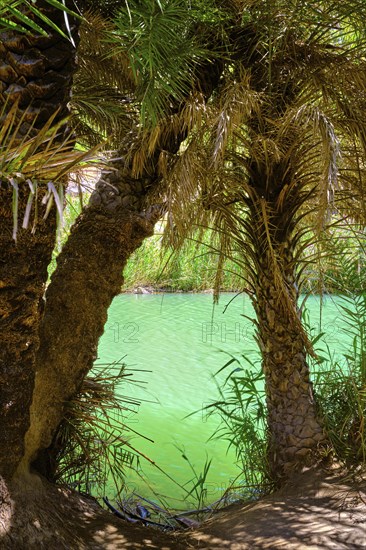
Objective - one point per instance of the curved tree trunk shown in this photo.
(37, 73)
(88, 276)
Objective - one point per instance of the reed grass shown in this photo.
(242, 421)
(340, 384)
(192, 270)
(194, 267)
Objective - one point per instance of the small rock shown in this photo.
(141, 290)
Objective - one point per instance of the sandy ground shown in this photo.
(316, 511)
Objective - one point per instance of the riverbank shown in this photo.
(193, 269)
(316, 510)
(168, 290)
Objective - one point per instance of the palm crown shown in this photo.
(284, 134)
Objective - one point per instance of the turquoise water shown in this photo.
(179, 341)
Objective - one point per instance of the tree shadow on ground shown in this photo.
(37, 515)
(315, 511)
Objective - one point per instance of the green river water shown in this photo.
(179, 341)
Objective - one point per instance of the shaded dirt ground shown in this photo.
(319, 510)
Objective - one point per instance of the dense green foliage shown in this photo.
(340, 383)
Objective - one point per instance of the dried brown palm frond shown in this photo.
(302, 122)
(350, 199)
(188, 118)
(237, 102)
(92, 448)
(96, 58)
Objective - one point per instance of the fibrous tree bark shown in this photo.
(88, 276)
(36, 74)
(296, 436)
(23, 272)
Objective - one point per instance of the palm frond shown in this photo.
(164, 52)
(23, 16)
(91, 447)
(39, 163)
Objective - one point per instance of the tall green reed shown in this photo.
(242, 422)
(192, 269)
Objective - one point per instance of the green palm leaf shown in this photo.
(20, 15)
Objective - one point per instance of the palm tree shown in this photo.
(127, 201)
(280, 149)
(36, 76)
(35, 79)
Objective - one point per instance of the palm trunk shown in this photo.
(23, 272)
(88, 277)
(36, 72)
(295, 432)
